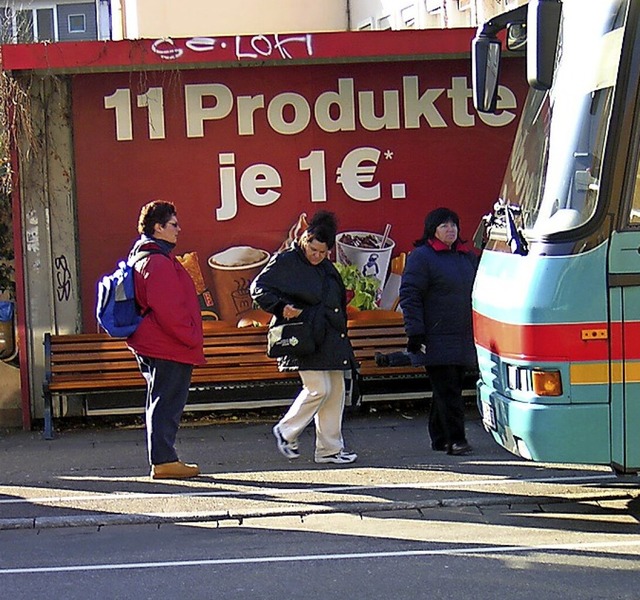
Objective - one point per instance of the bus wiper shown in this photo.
(515, 237)
(503, 217)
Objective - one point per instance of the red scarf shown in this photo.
(457, 246)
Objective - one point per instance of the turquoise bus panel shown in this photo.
(552, 433)
(631, 378)
(542, 289)
(623, 256)
(624, 261)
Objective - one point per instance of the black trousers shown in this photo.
(446, 419)
(167, 391)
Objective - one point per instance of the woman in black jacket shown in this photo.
(435, 297)
(301, 283)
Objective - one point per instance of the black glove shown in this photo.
(415, 343)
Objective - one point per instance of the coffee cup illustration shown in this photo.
(233, 270)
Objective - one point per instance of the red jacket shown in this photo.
(172, 325)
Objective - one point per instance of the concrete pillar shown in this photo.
(48, 224)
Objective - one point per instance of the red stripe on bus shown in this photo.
(558, 342)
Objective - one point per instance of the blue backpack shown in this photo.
(116, 309)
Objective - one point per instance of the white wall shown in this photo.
(426, 14)
(187, 18)
(388, 14)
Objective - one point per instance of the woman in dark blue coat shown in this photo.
(435, 297)
(302, 282)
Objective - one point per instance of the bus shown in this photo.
(556, 301)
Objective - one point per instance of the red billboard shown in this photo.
(243, 152)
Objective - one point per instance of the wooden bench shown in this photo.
(94, 363)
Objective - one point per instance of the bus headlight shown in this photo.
(537, 381)
(547, 383)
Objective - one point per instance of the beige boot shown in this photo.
(174, 470)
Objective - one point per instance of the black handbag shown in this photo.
(290, 339)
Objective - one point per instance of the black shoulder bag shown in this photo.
(294, 338)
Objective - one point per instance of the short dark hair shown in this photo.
(154, 212)
(323, 227)
(433, 220)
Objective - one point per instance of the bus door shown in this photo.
(624, 295)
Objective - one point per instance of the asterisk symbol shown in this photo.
(388, 155)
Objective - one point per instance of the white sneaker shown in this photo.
(341, 458)
(287, 449)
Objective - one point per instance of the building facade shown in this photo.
(161, 18)
(425, 14)
(24, 21)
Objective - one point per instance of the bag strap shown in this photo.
(142, 254)
(137, 257)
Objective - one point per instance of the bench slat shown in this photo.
(90, 362)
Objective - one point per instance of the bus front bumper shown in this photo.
(564, 433)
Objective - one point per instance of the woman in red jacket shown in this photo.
(168, 342)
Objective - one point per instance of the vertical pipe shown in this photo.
(21, 306)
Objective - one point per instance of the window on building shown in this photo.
(46, 28)
(384, 23)
(433, 5)
(61, 22)
(365, 26)
(24, 26)
(6, 26)
(464, 4)
(77, 23)
(408, 16)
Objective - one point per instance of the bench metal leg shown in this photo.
(48, 416)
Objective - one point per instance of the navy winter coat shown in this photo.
(289, 278)
(435, 297)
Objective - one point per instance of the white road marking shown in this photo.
(321, 557)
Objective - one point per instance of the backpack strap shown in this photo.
(142, 254)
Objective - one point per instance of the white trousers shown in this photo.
(321, 399)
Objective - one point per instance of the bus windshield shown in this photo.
(554, 170)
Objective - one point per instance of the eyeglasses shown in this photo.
(172, 223)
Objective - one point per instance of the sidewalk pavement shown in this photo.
(98, 476)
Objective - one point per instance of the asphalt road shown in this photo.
(80, 518)
(585, 550)
(97, 476)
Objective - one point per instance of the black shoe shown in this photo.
(459, 449)
(439, 447)
(382, 360)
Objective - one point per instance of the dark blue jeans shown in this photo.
(167, 391)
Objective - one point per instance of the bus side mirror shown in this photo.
(543, 27)
(485, 67)
(516, 37)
